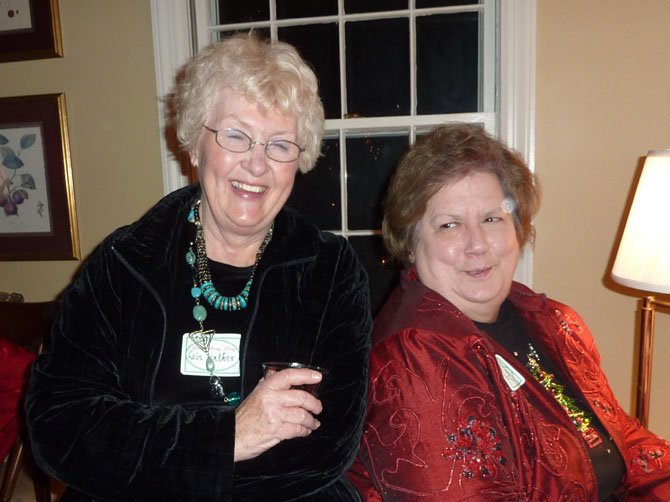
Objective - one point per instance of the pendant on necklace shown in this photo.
(216, 389)
(203, 287)
(203, 339)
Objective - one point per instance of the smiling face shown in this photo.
(243, 192)
(466, 246)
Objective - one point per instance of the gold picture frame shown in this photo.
(37, 208)
(30, 29)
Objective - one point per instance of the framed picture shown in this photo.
(37, 210)
(29, 29)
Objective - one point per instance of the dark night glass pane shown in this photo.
(383, 275)
(447, 63)
(378, 68)
(305, 8)
(422, 4)
(317, 43)
(359, 6)
(260, 33)
(243, 12)
(316, 194)
(370, 163)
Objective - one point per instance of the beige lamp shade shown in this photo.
(643, 259)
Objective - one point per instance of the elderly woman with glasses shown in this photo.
(154, 388)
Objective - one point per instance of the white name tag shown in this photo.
(224, 349)
(513, 378)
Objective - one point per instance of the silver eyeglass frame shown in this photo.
(252, 143)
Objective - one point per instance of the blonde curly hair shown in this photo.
(270, 74)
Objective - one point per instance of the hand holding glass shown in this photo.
(274, 366)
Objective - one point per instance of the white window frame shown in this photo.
(176, 39)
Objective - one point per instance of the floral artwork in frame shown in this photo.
(37, 211)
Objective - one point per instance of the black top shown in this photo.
(171, 386)
(509, 331)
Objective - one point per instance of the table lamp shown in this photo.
(643, 260)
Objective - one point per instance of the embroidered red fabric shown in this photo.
(442, 423)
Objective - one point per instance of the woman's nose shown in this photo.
(476, 240)
(256, 162)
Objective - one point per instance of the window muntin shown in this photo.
(388, 71)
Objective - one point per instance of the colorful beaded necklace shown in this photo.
(198, 261)
(204, 287)
(580, 418)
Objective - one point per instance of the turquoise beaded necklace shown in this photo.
(203, 287)
(198, 262)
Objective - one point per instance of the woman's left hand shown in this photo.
(274, 412)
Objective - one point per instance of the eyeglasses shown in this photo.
(234, 140)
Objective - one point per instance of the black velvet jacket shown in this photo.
(89, 407)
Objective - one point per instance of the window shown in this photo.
(388, 71)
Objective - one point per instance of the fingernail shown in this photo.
(317, 376)
(318, 424)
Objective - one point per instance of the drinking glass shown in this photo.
(313, 388)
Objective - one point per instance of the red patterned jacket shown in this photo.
(443, 423)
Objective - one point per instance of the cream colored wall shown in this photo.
(603, 86)
(107, 75)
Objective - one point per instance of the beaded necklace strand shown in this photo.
(203, 287)
(198, 261)
(580, 418)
